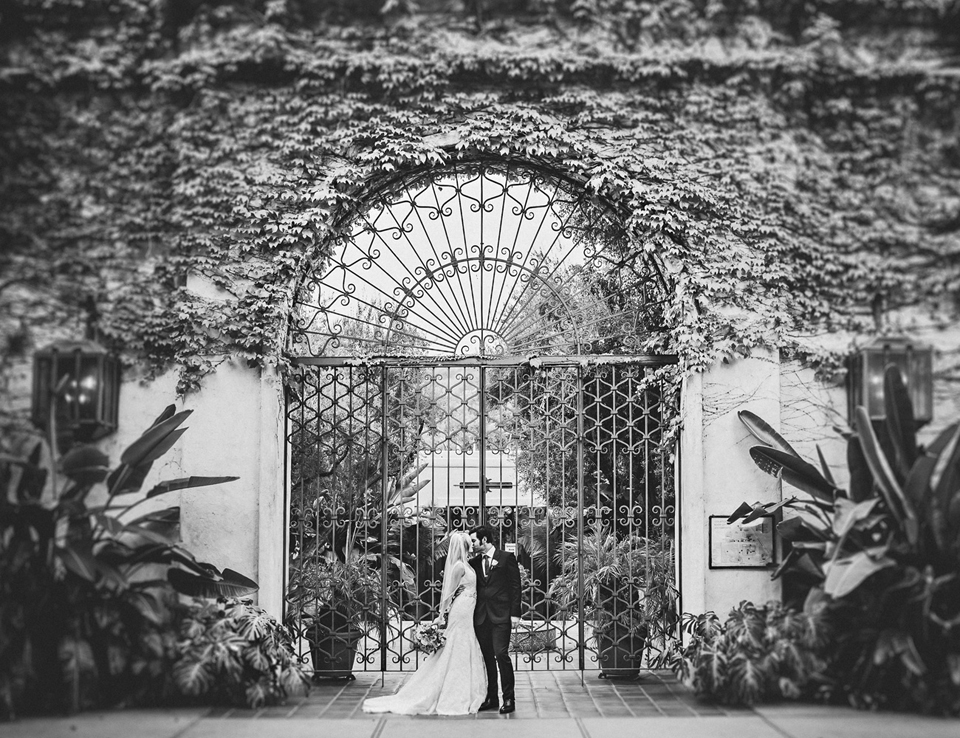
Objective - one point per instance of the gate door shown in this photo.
(563, 458)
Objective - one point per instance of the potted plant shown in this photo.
(627, 592)
(336, 600)
(356, 555)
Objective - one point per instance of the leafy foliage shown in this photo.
(85, 622)
(759, 654)
(233, 652)
(882, 558)
(231, 141)
(627, 585)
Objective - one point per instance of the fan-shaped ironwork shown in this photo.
(481, 260)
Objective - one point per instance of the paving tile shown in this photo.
(865, 725)
(308, 713)
(508, 727)
(111, 724)
(241, 714)
(278, 712)
(219, 711)
(679, 727)
(291, 729)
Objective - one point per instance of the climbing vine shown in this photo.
(168, 183)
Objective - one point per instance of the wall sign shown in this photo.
(736, 546)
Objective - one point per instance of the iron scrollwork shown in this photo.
(427, 421)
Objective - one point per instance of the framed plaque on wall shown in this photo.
(736, 546)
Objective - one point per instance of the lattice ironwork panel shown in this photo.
(533, 433)
(628, 513)
(347, 462)
(564, 461)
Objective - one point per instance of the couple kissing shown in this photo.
(480, 599)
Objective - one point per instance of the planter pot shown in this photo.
(620, 654)
(333, 652)
(533, 637)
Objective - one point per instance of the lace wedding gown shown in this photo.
(452, 680)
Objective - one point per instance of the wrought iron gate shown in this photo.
(445, 273)
(563, 457)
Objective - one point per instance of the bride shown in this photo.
(452, 680)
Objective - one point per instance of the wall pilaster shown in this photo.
(717, 474)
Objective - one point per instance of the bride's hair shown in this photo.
(458, 550)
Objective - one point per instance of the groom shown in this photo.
(498, 608)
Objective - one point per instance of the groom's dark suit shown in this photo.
(498, 598)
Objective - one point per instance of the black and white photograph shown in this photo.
(371, 368)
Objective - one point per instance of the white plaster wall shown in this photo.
(810, 413)
(717, 474)
(811, 407)
(140, 404)
(236, 429)
(220, 524)
(273, 530)
(692, 554)
(945, 340)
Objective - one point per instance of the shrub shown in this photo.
(234, 652)
(627, 584)
(84, 623)
(759, 654)
(881, 558)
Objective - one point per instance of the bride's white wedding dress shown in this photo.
(452, 680)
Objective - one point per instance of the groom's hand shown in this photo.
(514, 621)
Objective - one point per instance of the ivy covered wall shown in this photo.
(795, 165)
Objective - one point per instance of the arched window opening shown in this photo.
(482, 260)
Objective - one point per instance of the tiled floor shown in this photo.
(541, 694)
(549, 705)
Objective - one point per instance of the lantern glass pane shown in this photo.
(921, 385)
(66, 400)
(42, 386)
(87, 388)
(81, 381)
(875, 363)
(916, 370)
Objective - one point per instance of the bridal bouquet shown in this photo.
(429, 637)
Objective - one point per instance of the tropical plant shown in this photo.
(83, 615)
(234, 652)
(333, 602)
(348, 591)
(627, 588)
(759, 654)
(883, 557)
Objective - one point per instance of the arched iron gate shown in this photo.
(563, 457)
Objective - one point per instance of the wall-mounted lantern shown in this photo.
(867, 368)
(76, 389)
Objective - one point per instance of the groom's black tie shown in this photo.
(486, 566)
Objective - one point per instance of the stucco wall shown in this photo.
(232, 432)
(717, 474)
